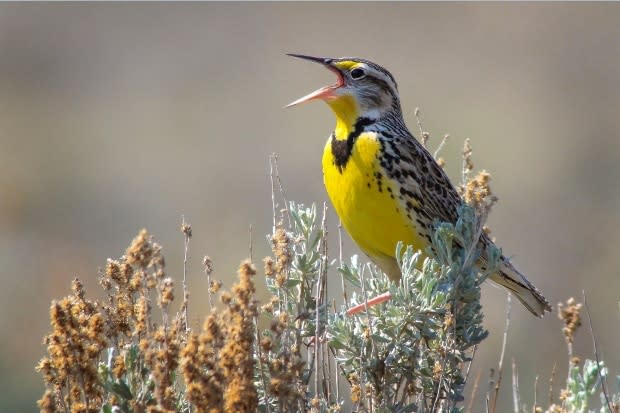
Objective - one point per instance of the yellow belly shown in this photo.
(374, 219)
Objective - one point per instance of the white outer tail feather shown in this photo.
(520, 287)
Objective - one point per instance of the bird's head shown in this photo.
(362, 89)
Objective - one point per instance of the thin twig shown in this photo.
(489, 388)
(551, 379)
(441, 145)
(473, 392)
(515, 387)
(333, 359)
(423, 135)
(344, 287)
(260, 364)
(342, 371)
(445, 357)
(569, 350)
(471, 360)
(366, 305)
(443, 367)
(598, 363)
(501, 357)
(535, 394)
(318, 302)
(187, 232)
(467, 165)
(273, 193)
(208, 268)
(327, 382)
(251, 254)
(403, 384)
(321, 300)
(370, 335)
(281, 188)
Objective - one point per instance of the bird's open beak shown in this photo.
(323, 93)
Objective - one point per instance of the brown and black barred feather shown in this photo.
(426, 193)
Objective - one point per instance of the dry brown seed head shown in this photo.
(126, 272)
(113, 270)
(437, 370)
(267, 308)
(281, 279)
(570, 314)
(467, 152)
(208, 264)
(96, 324)
(141, 309)
(186, 229)
(105, 283)
(167, 292)
(78, 288)
(266, 344)
(160, 274)
(119, 368)
(353, 378)
(226, 298)
(276, 365)
(281, 242)
(283, 317)
(269, 267)
(366, 333)
(136, 281)
(477, 190)
(277, 327)
(214, 286)
(140, 251)
(356, 393)
(151, 281)
(144, 345)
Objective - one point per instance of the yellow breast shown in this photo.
(367, 202)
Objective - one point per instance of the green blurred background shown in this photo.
(115, 117)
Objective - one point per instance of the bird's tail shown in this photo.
(515, 282)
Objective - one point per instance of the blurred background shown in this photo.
(115, 117)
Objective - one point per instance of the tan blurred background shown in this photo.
(115, 117)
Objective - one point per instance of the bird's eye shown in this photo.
(357, 73)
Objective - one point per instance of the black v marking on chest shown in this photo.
(342, 148)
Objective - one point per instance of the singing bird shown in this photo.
(384, 185)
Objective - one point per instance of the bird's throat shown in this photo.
(346, 111)
(349, 125)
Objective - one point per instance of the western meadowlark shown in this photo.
(384, 185)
